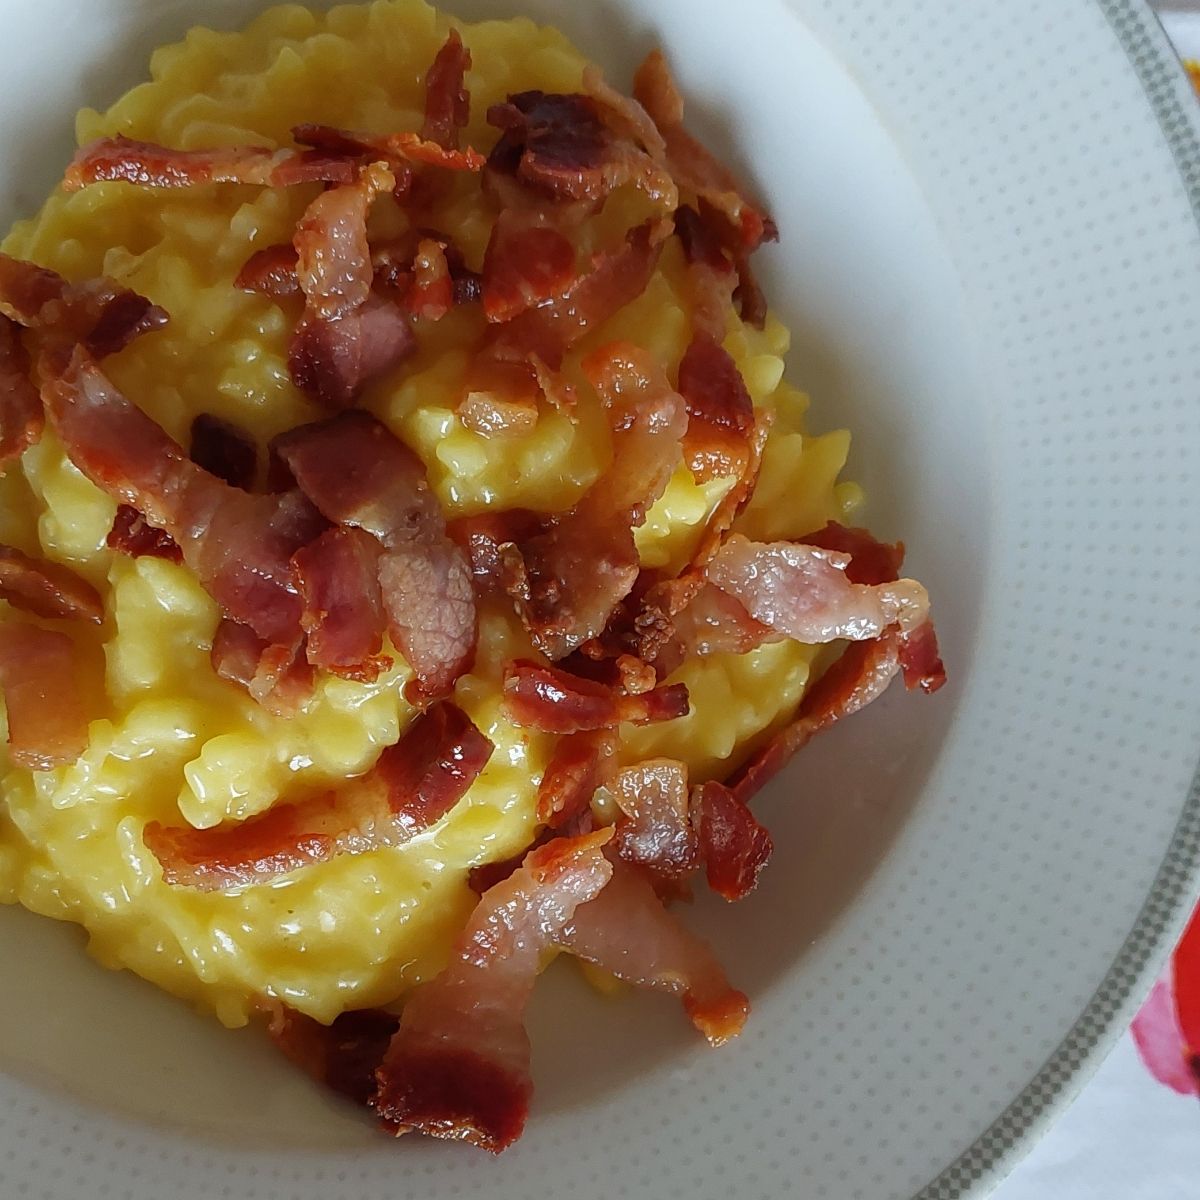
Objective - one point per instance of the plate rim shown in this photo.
(984, 1164)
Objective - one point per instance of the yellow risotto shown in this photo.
(169, 740)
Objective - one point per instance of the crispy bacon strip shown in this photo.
(627, 931)
(21, 415)
(130, 534)
(224, 450)
(357, 472)
(150, 165)
(46, 723)
(802, 592)
(338, 576)
(459, 1065)
(720, 411)
(397, 148)
(343, 1056)
(694, 168)
(560, 145)
(733, 845)
(47, 589)
(581, 763)
(616, 279)
(655, 829)
(528, 261)
(860, 675)
(412, 785)
(238, 545)
(553, 701)
(332, 361)
(271, 272)
(278, 677)
(447, 101)
(98, 313)
(483, 536)
(569, 579)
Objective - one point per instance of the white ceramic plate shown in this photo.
(992, 262)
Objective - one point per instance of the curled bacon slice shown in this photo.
(802, 592)
(560, 145)
(46, 723)
(733, 845)
(271, 271)
(459, 1065)
(239, 546)
(398, 148)
(98, 313)
(412, 785)
(694, 168)
(150, 165)
(447, 101)
(21, 415)
(47, 589)
(569, 579)
(720, 411)
(358, 473)
(655, 829)
(224, 450)
(627, 931)
(332, 361)
(343, 1056)
(581, 763)
(338, 576)
(553, 701)
(616, 279)
(130, 534)
(871, 561)
(278, 677)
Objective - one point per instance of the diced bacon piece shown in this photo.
(150, 165)
(733, 845)
(47, 589)
(239, 546)
(527, 262)
(397, 148)
(483, 536)
(617, 278)
(490, 415)
(46, 723)
(394, 266)
(569, 579)
(278, 677)
(431, 292)
(447, 101)
(560, 145)
(860, 675)
(695, 169)
(459, 1065)
(802, 592)
(720, 411)
(97, 313)
(655, 830)
(224, 450)
(343, 1056)
(130, 534)
(333, 259)
(412, 785)
(920, 660)
(332, 361)
(357, 472)
(627, 932)
(21, 414)
(553, 701)
(581, 763)
(271, 272)
(338, 576)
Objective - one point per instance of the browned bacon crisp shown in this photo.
(47, 726)
(412, 785)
